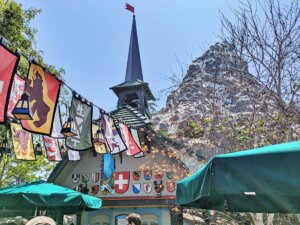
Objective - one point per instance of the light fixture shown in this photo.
(63, 149)
(98, 138)
(4, 147)
(22, 110)
(38, 149)
(69, 129)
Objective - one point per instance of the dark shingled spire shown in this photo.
(134, 92)
(134, 67)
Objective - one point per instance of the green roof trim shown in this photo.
(130, 116)
(130, 84)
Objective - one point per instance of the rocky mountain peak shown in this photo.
(220, 56)
(215, 83)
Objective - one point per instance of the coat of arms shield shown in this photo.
(147, 187)
(147, 173)
(95, 189)
(159, 174)
(171, 186)
(95, 177)
(169, 174)
(136, 175)
(75, 178)
(121, 181)
(85, 177)
(103, 190)
(136, 188)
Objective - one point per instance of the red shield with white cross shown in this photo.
(121, 181)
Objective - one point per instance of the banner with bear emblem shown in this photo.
(43, 89)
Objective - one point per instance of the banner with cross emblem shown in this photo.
(121, 181)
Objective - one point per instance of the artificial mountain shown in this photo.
(215, 103)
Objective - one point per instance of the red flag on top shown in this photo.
(129, 7)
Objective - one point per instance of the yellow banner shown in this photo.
(22, 142)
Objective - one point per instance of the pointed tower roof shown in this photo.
(134, 67)
(134, 75)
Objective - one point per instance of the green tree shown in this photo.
(15, 27)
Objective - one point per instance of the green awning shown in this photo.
(264, 179)
(44, 194)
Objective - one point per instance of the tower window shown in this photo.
(132, 100)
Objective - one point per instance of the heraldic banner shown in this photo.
(100, 147)
(16, 92)
(22, 142)
(43, 89)
(113, 138)
(8, 65)
(133, 148)
(107, 181)
(82, 117)
(56, 128)
(52, 149)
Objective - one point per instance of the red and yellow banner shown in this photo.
(22, 142)
(8, 65)
(43, 89)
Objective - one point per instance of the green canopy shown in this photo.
(264, 179)
(42, 194)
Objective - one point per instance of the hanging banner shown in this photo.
(22, 142)
(133, 148)
(8, 65)
(107, 181)
(108, 166)
(73, 155)
(82, 117)
(99, 140)
(43, 89)
(57, 125)
(17, 90)
(52, 149)
(113, 138)
(135, 137)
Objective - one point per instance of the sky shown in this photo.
(90, 39)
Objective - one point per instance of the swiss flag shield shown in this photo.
(121, 181)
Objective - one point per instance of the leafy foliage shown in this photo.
(15, 27)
